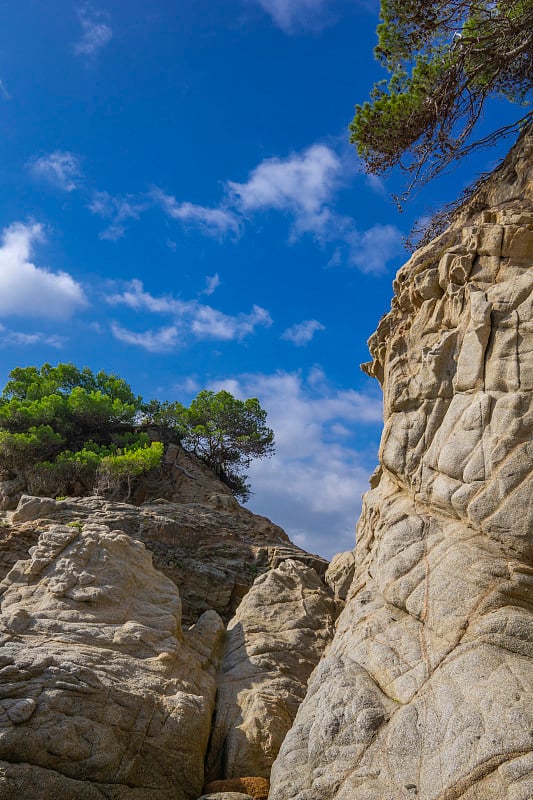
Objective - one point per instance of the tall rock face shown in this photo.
(427, 688)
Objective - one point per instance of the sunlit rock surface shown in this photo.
(427, 688)
(271, 647)
(101, 693)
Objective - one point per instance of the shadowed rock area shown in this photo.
(427, 688)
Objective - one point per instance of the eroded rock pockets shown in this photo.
(427, 688)
(102, 693)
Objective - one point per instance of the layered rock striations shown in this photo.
(427, 688)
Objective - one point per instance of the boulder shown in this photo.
(101, 692)
(271, 647)
(257, 788)
(32, 508)
(212, 551)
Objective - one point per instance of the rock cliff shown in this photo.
(427, 688)
(151, 650)
(114, 654)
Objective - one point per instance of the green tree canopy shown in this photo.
(73, 429)
(227, 434)
(445, 58)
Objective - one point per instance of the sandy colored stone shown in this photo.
(255, 787)
(29, 508)
(339, 574)
(226, 796)
(203, 540)
(271, 647)
(101, 693)
(427, 688)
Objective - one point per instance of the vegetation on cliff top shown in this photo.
(79, 431)
(445, 59)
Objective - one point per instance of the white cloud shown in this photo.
(96, 31)
(61, 169)
(375, 183)
(313, 484)
(301, 185)
(10, 337)
(154, 341)
(208, 323)
(371, 250)
(190, 318)
(293, 16)
(212, 282)
(304, 186)
(302, 332)
(134, 296)
(30, 291)
(119, 210)
(3, 91)
(213, 221)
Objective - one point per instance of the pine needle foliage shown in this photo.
(445, 58)
(77, 432)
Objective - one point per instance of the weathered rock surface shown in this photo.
(101, 693)
(271, 647)
(203, 540)
(427, 688)
(256, 787)
(226, 796)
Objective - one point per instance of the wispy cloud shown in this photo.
(10, 337)
(296, 16)
(60, 168)
(96, 31)
(212, 282)
(30, 291)
(134, 296)
(154, 341)
(213, 221)
(302, 332)
(304, 187)
(118, 209)
(190, 320)
(371, 250)
(300, 185)
(208, 323)
(313, 484)
(3, 91)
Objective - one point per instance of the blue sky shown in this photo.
(181, 206)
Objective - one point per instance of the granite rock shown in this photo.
(212, 550)
(427, 688)
(271, 647)
(101, 692)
